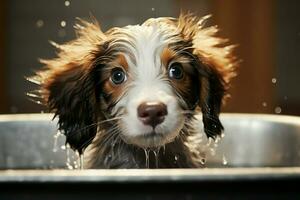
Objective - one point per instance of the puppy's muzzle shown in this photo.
(152, 113)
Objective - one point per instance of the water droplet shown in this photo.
(224, 160)
(63, 147)
(202, 161)
(75, 164)
(67, 3)
(222, 135)
(217, 140)
(212, 151)
(285, 97)
(153, 9)
(39, 23)
(176, 157)
(278, 110)
(63, 23)
(274, 80)
(264, 104)
(69, 166)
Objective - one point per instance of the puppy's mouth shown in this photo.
(151, 139)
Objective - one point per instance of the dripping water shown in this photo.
(68, 163)
(147, 151)
(164, 149)
(175, 159)
(225, 162)
(75, 164)
(56, 136)
(156, 154)
(81, 159)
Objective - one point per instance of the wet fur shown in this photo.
(72, 89)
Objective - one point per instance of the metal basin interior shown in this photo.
(251, 140)
(257, 149)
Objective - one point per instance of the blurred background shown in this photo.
(267, 32)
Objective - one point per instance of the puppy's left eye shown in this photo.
(118, 76)
(176, 71)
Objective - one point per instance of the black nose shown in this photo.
(152, 113)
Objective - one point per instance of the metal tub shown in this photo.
(256, 150)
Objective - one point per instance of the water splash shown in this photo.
(56, 136)
(68, 162)
(211, 145)
(75, 164)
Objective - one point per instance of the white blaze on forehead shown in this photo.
(142, 47)
(148, 43)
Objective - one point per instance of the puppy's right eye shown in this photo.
(118, 76)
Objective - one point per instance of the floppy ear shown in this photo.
(215, 64)
(211, 96)
(70, 93)
(68, 85)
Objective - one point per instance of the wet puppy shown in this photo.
(130, 97)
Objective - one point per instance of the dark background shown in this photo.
(267, 32)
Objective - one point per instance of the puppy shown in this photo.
(133, 95)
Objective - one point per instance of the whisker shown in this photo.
(110, 133)
(188, 112)
(93, 125)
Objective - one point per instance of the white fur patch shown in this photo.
(149, 83)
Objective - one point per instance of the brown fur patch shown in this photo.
(115, 91)
(121, 60)
(212, 50)
(167, 55)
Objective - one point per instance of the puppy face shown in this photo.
(148, 80)
(149, 83)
